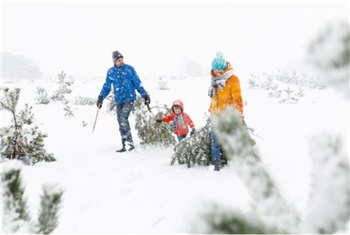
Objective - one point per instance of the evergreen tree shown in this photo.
(21, 140)
(195, 149)
(50, 206)
(68, 111)
(63, 88)
(16, 218)
(42, 97)
(329, 208)
(14, 205)
(220, 220)
(149, 131)
(329, 52)
(269, 202)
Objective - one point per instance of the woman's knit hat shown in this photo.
(219, 62)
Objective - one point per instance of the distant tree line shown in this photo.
(18, 67)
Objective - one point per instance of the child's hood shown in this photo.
(178, 103)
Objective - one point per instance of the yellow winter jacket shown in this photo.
(229, 95)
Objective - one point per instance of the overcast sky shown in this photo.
(157, 37)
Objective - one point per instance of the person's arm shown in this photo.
(168, 118)
(106, 88)
(188, 120)
(138, 84)
(237, 95)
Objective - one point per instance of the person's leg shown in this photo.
(181, 137)
(123, 113)
(215, 151)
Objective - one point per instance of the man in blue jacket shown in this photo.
(125, 81)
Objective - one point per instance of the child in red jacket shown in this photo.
(181, 120)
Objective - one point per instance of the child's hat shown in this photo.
(178, 103)
(219, 62)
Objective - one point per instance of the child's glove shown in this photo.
(192, 132)
(159, 120)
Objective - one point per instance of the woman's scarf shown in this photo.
(219, 82)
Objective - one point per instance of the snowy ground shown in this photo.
(139, 191)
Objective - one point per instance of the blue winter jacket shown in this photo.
(124, 80)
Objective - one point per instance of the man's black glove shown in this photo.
(159, 120)
(99, 101)
(147, 99)
(193, 132)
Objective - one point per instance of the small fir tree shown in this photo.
(14, 205)
(49, 207)
(68, 111)
(220, 220)
(63, 88)
(195, 149)
(236, 141)
(42, 96)
(329, 208)
(149, 131)
(21, 140)
(16, 218)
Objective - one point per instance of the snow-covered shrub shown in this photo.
(16, 217)
(268, 202)
(22, 139)
(68, 111)
(162, 83)
(14, 205)
(63, 88)
(284, 86)
(50, 204)
(329, 208)
(149, 131)
(42, 96)
(329, 53)
(219, 220)
(84, 101)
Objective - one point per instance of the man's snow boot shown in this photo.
(123, 149)
(131, 146)
(217, 165)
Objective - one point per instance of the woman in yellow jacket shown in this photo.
(224, 90)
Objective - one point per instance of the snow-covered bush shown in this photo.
(329, 53)
(220, 220)
(63, 87)
(84, 101)
(284, 86)
(21, 140)
(162, 83)
(329, 208)
(269, 203)
(68, 111)
(42, 96)
(16, 217)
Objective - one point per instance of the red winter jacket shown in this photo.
(181, 121)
